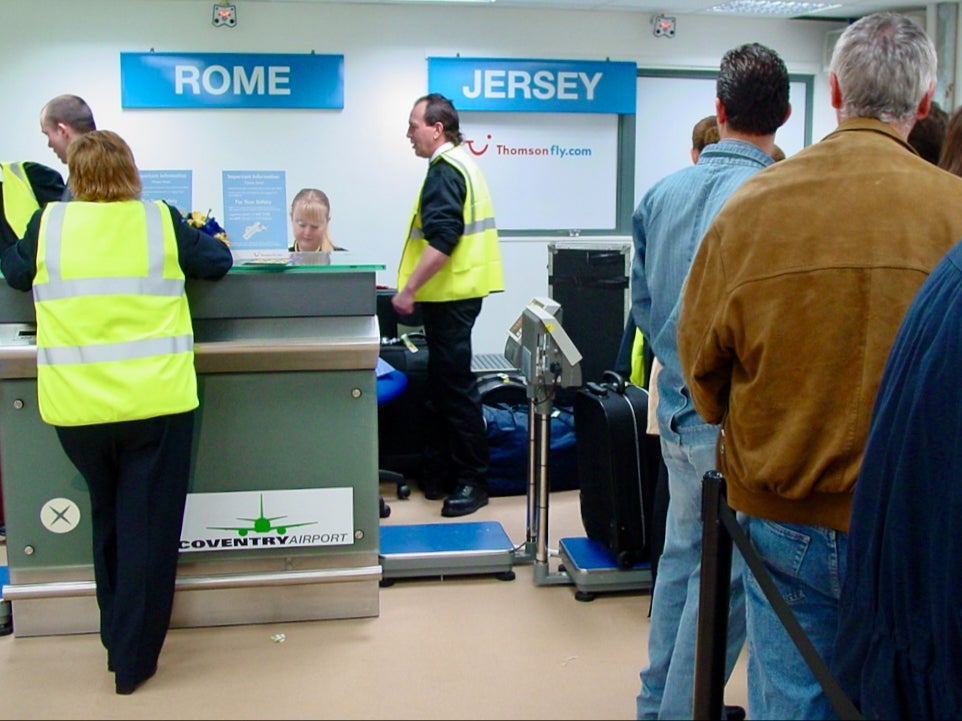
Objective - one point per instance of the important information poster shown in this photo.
(172, 186)
(255, 210)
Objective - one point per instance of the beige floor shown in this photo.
(462, 647)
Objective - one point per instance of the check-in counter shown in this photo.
(282, 517)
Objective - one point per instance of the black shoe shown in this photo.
(734, 713)
(432, 491)
(464, 500)
(125, 689)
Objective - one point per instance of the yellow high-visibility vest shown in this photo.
(114, 334)
(474, 269)
(19, 200)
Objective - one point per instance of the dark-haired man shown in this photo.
(62, 119)
(751, 104)
(450, 262)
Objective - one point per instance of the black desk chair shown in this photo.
(390, 384)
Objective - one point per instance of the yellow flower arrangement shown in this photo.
(208, 224)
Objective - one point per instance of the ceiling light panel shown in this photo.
(770, 8)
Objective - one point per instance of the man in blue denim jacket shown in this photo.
(751, 104)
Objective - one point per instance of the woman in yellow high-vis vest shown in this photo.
(115, 377)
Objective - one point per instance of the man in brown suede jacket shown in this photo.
(791, 305)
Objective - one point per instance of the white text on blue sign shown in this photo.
(231, 80)
(542, 86)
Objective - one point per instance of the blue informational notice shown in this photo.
(255, 209)
(535, 86)
(231, 80)
(172, 186)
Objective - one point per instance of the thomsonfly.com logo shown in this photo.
(554, 150)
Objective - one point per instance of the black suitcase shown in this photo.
(510, 388)
(615, 467)
(400, 421)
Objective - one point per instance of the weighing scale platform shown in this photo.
(442, 549)
(594, 570)
(6, 622)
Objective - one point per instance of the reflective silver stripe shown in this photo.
(101, 353)
(54, 238)
(17, 169)
(155, 242)
(479, 226)
(108, 286)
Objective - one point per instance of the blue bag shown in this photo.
(507, 432)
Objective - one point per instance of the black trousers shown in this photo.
(137, 474)
(456, 447)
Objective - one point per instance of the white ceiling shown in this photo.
(847, 8)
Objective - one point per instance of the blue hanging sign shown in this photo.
(535, 86)
(231, 80)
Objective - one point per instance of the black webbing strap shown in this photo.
(842, 704)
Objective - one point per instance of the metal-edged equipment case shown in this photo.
(590, 280)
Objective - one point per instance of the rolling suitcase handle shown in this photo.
(610, 380)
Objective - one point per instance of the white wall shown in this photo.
(359, 155)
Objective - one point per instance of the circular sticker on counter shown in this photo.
(60, 515)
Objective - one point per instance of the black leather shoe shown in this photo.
(464, 500)
(125, 689)
(734, 713)
(432, 491)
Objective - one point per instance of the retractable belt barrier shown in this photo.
(720, 529)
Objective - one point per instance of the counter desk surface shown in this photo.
(284, 496)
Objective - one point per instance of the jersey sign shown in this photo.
(542, 86)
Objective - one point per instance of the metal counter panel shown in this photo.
(329, 293)
(253, 432)
(284, 295)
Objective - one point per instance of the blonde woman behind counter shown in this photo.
(310, 217)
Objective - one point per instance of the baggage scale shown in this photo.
(549, 360)
(593, 569)
(540, 348)
(446, 549)
(451, 548)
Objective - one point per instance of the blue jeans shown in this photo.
(807, 564)
(668, 682)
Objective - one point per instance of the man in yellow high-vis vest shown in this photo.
(450, 262)
(116, 378)
(24, 187)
